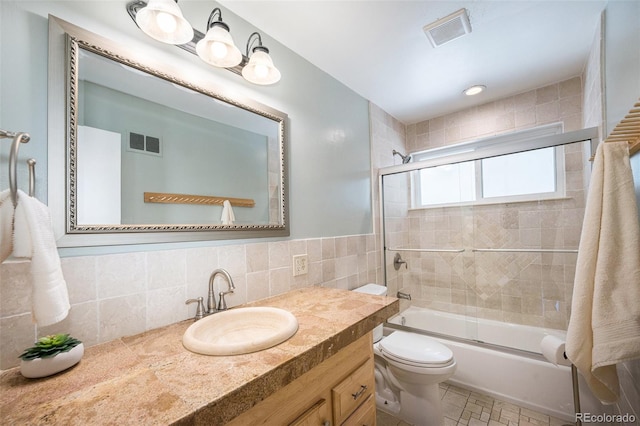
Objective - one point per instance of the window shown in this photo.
(521, 176)
(531, 172)
(448, 184)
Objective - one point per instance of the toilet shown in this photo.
(408, 369)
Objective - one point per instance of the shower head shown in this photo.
(405, 158)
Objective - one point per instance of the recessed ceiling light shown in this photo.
(474, 90)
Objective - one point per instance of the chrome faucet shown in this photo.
(211, 301)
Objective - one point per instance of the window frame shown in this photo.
(510, 143)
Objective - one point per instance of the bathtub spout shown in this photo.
(402, 295)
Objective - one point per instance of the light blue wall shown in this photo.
(328, 126)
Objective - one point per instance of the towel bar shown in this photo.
(487, 250)
(429, 250)
(168, 198)
(515, 250)
(627, 130)
(18, 137)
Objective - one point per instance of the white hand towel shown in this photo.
(604, 328)
(227, 217)
(6, 225)
(34, 239)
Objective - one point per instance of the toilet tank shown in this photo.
(377, 290)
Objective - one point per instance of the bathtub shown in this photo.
(489, 364)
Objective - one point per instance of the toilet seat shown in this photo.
(415, 350)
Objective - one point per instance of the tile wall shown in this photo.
(560, 102)
(532, 289)
(387, 134)
(123, 294)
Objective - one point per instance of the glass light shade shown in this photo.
(162, 20)
(260, 69)
(217, 48)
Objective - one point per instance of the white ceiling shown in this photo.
(379, 50)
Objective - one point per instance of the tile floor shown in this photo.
(463, 407)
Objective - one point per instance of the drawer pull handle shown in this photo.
(362, 390)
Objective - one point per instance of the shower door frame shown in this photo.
(589, 134)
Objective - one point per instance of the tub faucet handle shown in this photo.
(398, 262)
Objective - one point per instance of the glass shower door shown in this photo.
(487, 247)
(424, 257)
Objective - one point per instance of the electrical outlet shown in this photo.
(300, 265)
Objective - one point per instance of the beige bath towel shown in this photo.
(604, 328)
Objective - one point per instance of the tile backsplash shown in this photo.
(123, 294)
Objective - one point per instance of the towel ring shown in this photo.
(19, 137)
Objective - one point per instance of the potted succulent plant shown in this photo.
(50, 355)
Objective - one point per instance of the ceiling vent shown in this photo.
(448, 28)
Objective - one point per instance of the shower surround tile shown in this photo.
(502, 286)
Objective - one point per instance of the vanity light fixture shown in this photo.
(163, 21)
(260, 69)
(474, 90)
(215, 48)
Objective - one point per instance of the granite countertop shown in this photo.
(151, 378)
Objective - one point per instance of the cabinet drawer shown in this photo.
(352, 391)
(317, 415)
(365, 415)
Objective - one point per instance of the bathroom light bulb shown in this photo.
(166, 22)
(219, 50)
(163, 21)
(261, 71)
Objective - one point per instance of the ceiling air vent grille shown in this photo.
(448, 28)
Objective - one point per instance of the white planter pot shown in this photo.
(43, 367)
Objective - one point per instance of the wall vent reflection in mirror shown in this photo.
(144, 144)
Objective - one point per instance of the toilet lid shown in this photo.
(415, 348)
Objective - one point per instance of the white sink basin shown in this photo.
(240, 331)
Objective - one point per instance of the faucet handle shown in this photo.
(199, 309)
(222, 304)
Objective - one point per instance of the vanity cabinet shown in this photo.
(339, 391)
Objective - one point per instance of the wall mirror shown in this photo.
(140, 152)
